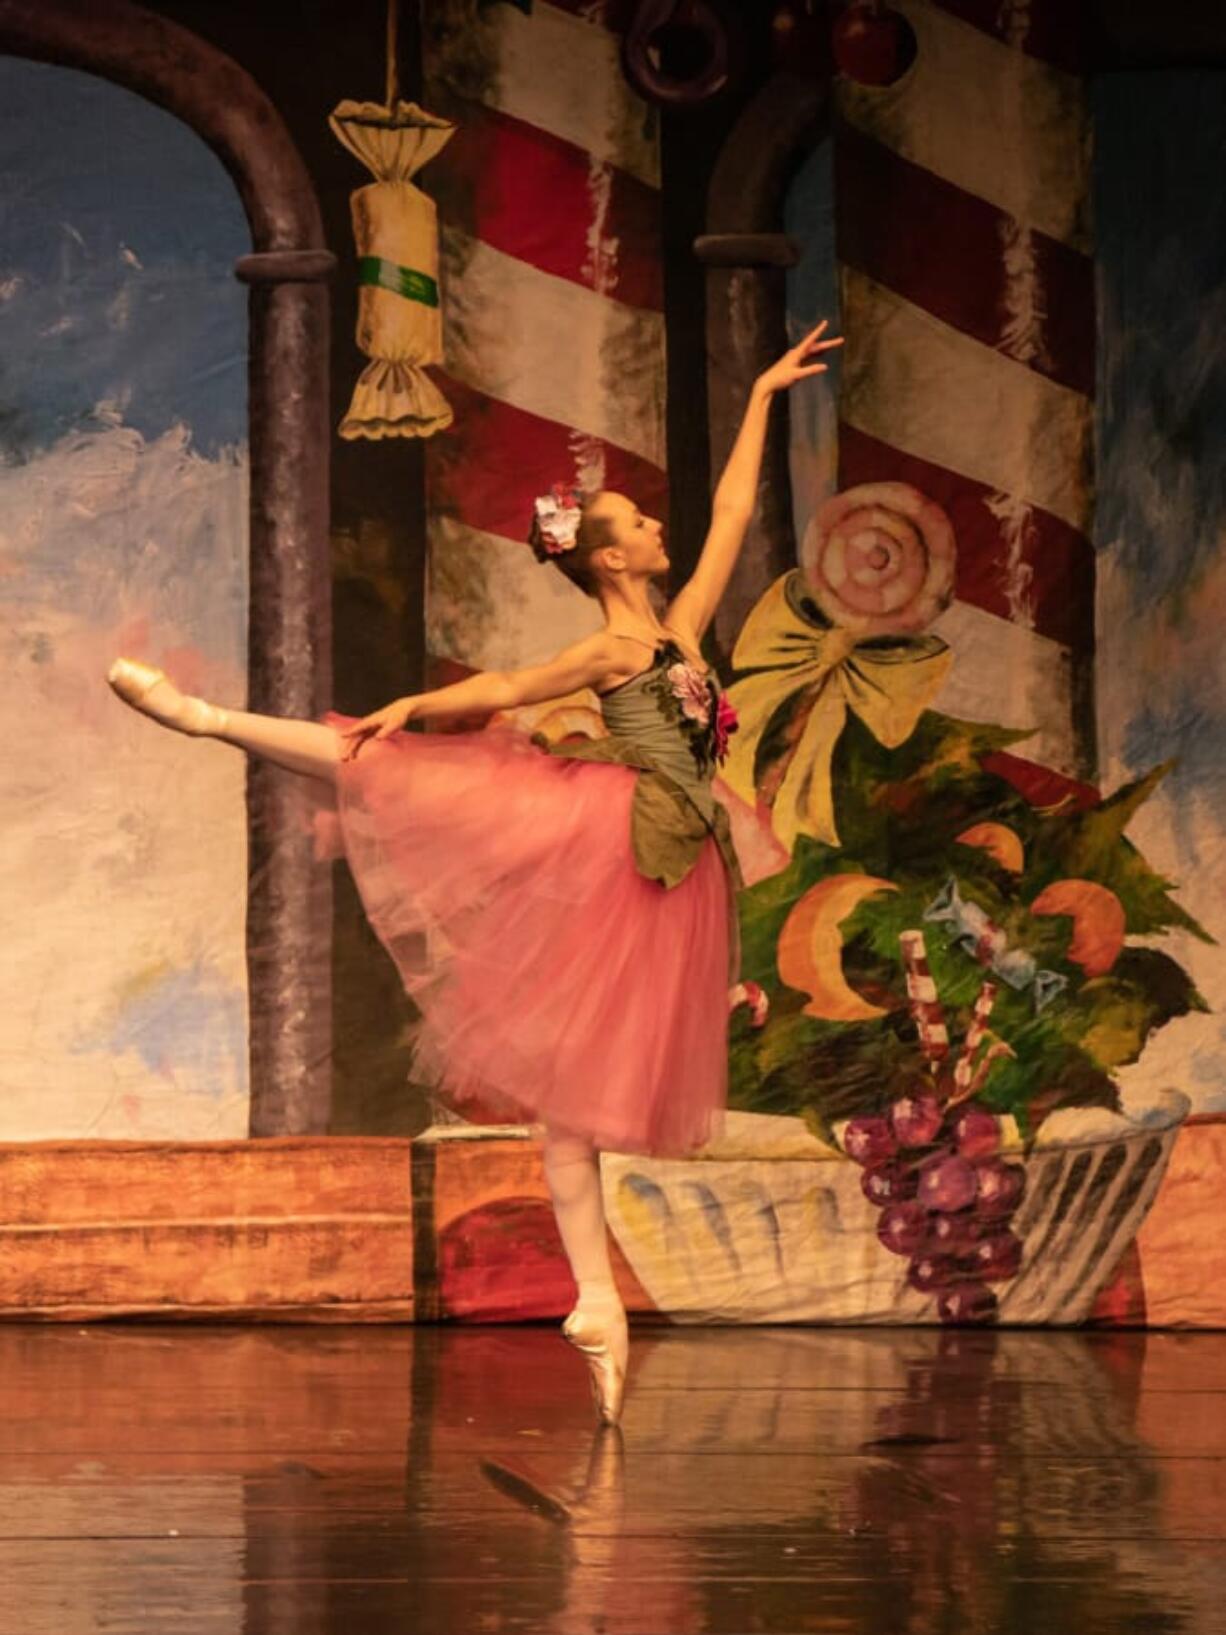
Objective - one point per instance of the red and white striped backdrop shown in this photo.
(552, 315)
(963, 233)
(962, 210)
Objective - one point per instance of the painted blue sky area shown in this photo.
(808, 216)
(187, 1026)
(1160, 528)
(1160, 208)
(119, 230)
(812, 293)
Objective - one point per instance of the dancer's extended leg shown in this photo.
(597, 1325)
(308, 747)
(300, 746)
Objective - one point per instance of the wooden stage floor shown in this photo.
(211, 1479)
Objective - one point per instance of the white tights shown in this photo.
(572, 1172)
(308, 747)
(299, 746)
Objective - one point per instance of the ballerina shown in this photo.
(577, 900)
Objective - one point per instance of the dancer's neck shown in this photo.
(630, 608)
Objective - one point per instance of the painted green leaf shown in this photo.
(900, 812)
(1091, 845)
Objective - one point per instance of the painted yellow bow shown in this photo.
(888, 682)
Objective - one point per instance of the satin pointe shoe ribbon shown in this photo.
(806, 670)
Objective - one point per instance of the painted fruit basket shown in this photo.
(946, 963)
(771, 1225)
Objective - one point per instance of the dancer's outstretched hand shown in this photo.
(383, 723)
(797, 362)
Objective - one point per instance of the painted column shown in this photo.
(552, 315)
(289, 673)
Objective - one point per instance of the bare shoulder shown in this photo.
(586, 663)
(598, 652)
(614, 656)
(601, 644)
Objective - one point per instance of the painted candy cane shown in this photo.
(964, 1068)
(963, 206)
(751, 994)
(993, 1053)
(926, 1008)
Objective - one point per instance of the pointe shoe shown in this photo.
(602, 1339)
(135, 682)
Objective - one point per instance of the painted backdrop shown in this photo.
(123, 501)
(976, 1075)
(976, 1051)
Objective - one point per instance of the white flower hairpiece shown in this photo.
(558, 515)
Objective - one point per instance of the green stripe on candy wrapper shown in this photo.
(406, 281)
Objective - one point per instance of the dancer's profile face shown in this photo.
(634, 541)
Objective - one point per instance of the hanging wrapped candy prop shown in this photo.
(396, 231)
(394, 225)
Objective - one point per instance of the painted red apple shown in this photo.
(873, 43)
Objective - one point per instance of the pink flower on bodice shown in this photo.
(726, 723)
(704, 707)
(691, 691)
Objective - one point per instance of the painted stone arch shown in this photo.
(747, 255)
(289, 904)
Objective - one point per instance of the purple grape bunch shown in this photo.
(946, 1198)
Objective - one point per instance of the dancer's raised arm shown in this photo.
(585, 664)
(693, 608)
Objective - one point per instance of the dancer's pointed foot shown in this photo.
(151, 691)
(601, 1333)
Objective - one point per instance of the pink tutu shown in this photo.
(555, 983)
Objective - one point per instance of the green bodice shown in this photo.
(663, 721)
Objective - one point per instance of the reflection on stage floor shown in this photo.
(160, 1477)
